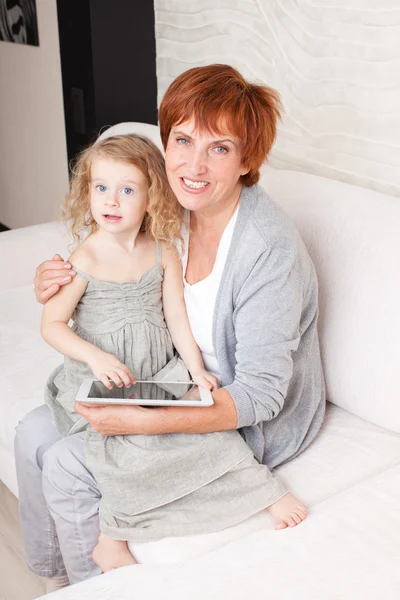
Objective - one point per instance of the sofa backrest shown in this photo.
(150, 131)
(353, 236)
(23, 249)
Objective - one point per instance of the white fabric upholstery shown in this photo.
(25, 360)
(150, 131)
(349, 477)
(353, 237)
(22, 250)
(346, 550)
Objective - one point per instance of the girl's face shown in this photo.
(118, 195)
(203, 168)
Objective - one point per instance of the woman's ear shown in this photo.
(244, 170)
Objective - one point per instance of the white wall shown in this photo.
(33, 158)
(335, 63)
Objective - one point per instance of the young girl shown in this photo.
(129, 313)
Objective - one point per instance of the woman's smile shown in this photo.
(193, 186)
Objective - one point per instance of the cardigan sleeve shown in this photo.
(266, 319)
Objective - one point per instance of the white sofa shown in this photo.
(349, 547)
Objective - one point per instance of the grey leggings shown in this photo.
(58, 499)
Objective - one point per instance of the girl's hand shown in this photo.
(206, 380)
(108, 368)
(50, 276)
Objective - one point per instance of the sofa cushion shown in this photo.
(353, 237)
(347, 550)
(22, 250)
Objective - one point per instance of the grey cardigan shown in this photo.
(265, 332)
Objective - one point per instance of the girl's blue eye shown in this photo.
(127, 191)
(101, 188)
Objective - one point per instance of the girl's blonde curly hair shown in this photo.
(164, 214)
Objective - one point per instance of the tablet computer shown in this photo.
(145, 393)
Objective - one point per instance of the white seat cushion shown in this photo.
(347, 451)
(347, 549)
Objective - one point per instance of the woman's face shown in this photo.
(203, 168)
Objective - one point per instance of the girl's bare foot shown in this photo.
(111, 554)
(287, 511)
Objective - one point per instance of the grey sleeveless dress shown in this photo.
(159, 485)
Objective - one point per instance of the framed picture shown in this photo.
(18, 22)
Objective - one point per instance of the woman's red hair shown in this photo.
(220, 100)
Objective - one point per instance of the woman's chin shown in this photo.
(194, 201)
(193, 204)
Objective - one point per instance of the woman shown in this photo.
(251, 296)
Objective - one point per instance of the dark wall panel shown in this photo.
(108, 63)
(77, 73)
(124, 55)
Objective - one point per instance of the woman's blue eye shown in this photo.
(221, 150)
(182, 141)
(127, 191)
(101, 188)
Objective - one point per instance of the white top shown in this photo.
(200, 297)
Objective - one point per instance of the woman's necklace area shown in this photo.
(203, 250)
(201, 258)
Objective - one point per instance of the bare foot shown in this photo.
(287, 511)
(111, 554)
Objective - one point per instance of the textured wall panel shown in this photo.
(336, 64)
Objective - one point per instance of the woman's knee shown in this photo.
(35, 433)
(64, 462)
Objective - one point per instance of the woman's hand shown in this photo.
(117, 420)
(131, 420)
(50, 276)
(108, 369)
(206, 380)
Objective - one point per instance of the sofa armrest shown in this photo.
(22, 250)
